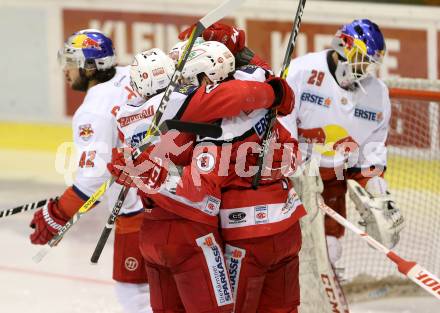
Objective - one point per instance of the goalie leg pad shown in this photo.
(334, 248)
(334, 197)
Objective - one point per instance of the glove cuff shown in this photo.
(54, 223)
(244, 57)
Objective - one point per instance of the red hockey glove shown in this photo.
(118, 166)
(284, 97)
(231, 37)
(146, 172)
(47, 222)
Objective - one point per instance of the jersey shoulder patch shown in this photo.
(186, 89)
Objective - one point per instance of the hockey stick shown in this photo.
(201, 129)
(25, 207)
(217, 14)
(412, 270)
(273, 113)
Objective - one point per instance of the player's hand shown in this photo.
(284, 97)
(230, 36)
(47, 222)
(146, 172)
(118, 167)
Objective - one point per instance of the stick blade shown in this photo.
(40, 255)
(220, 12)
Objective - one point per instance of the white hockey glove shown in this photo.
(381, 217)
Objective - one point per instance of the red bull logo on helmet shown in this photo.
(85, 42)
(91, 43)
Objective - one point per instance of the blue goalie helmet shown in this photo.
(361, 47)
(88, 48)
(362, 35)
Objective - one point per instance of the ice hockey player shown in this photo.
(89, 65)
(260, 227)
(181, 245)
(343, 113)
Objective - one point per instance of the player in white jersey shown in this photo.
(343, 113)
(88, 62)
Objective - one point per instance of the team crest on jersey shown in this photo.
(85, 131)
(261, 214)
(316, 99)
(205, 161)
(212, 206)
(368, 114)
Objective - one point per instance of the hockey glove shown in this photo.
(231, 37)
(47, 222)
(381, 217)
(284, 97)
(146, 172)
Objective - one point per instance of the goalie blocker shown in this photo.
(381, 218)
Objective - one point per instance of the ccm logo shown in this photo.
(429, 282)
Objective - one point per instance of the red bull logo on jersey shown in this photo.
(316, 99)
(368, 114)
(85, 131)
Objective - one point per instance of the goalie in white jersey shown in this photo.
(343, 114)
(88, 62)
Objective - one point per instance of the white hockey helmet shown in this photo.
(211, 58)
(150, 72)
(177, 50)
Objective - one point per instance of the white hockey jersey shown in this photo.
(334, 124)
(95, 134)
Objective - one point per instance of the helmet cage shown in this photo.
(360, 63)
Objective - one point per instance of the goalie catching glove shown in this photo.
(381, 218)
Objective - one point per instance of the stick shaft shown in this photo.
(412, 270)
(25, 207)
(284, 71)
